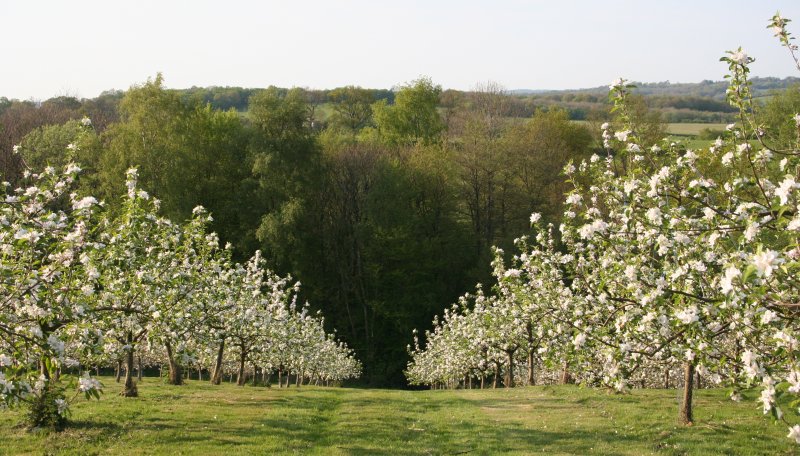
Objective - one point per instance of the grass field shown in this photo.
(682, 129)
(202, 419)
(692, 129)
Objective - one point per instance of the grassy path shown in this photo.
(201, 419)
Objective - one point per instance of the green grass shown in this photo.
(691, 142)
(202, 419)
(692, 129)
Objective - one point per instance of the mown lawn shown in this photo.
(201, 419)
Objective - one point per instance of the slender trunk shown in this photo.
(483, 378)
(686, 407)
(666, 378)
(509, 381)
(175, 373)
(737, 354)
(216, 377)
(531, 377)
(242, 358)
(565, 377)
(496, 375)
(139, 371)
(130, 386)
(280, 377)
(43, 368)
(118, 373)
(531, 354)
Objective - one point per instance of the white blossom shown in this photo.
(765, 262)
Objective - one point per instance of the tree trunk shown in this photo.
(531, 354)
(175, 372)
(43, 368)
(129, 389)
(139, 372)
(509, 381)
(216, 378)
(531, 359)
(666, 378)
(118, 374)
(686, 407)
(496, 375)
(242, 358)
(280, 377)
(565, 377)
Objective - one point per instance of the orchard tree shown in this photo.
(48, 285)
(150, 274)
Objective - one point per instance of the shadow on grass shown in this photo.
(423, 428)
(380, 422)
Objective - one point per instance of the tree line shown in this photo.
(384, 212)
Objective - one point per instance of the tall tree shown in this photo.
(187, 155)
(285, 167)
(413, 118)
(352, 108)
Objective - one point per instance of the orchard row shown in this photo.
(666, 260)
(81, 287)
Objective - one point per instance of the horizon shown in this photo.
(86, 50)
(511, 91)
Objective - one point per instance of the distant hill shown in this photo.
(704, 89)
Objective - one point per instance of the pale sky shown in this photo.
(82, 47)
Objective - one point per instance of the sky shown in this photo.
(83, 47)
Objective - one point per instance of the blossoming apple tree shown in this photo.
(47, 283)
(672, 256)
